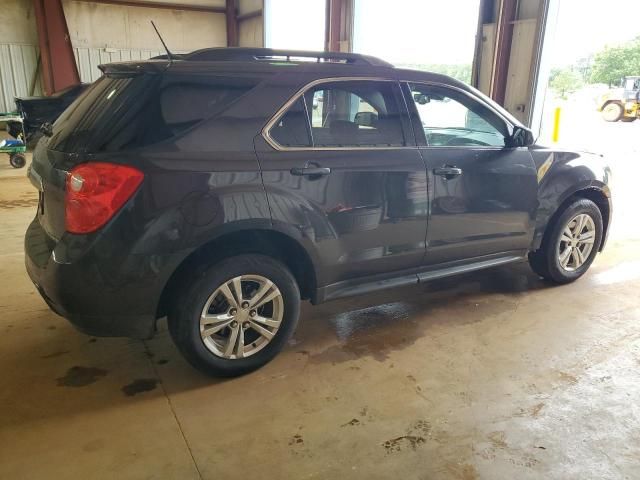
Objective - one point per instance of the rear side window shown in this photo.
(292, 128)
(343, 114)
(125, 112)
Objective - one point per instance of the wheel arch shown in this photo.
(272, 243)
(593, 193)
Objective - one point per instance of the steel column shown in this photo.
(59, 68)
(504, 36)
(338, 26)
(232, 23)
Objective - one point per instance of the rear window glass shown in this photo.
(125, 112)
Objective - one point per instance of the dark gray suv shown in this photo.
(221, 188)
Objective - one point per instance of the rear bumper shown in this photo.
(98, 295)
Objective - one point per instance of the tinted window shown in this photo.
(292, 129)
(451, 118)
(125, 112)
(357, 113)
(343, 114)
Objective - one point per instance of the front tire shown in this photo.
(571, 243)
(236, 315)
(612, 112)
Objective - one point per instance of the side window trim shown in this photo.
(406, 124)
(415, 117)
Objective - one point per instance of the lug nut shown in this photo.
(233, 311)
(245, 325)
(245, 304)
(252, 313)
(234, 324)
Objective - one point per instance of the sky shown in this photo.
(417, 31)
(586, 26)
(443, 31)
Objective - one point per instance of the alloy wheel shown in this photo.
(576, 242)
(241, 316)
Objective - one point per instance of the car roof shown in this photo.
(263, 60)
(266, 61)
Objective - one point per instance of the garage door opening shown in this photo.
(436, 36)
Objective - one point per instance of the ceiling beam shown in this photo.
(169, 6)
(249, 15)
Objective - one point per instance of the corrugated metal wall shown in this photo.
(17, 69)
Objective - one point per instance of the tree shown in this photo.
(613, 63)
(565, 81)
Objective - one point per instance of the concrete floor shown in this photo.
(493, 375)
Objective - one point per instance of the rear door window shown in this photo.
(363, 113)
(355, 114)
(125, 112)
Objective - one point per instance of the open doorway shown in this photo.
(437, 36)
(595, 60)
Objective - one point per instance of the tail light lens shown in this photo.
(95, 192)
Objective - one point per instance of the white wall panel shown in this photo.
(88, 59)
(17, 69)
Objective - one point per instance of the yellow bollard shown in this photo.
(556, 125)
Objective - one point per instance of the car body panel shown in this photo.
(223, 177)
(562, 174)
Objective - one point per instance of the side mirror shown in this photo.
(521, 137)
(366, 119)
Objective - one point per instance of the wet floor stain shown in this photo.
(379, 330)
(462, 471)
(162, 361)
(403, 442)
(498, 439)
(93, 340)
(567, 378)
(414, 438)
(55, 354)
(296, 439)
(139, 386)
(9, 204)
(81, 376)
(354, 422)
(535, 410)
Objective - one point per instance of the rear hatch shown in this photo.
(131, 106)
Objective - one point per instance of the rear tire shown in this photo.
(628, 119)
(225, 334)
(570, 244)
(612, 112)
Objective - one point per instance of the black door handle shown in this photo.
(447, 172)
(310, 171)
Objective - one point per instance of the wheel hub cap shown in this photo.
(241, 316)
(576, 242)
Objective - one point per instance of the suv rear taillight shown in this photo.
(95, 192)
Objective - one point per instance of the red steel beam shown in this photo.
(504, 37)
(232, 23)
(333, 20)
(59, 68)
(170, 6)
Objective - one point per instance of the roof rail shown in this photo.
(245, 54)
